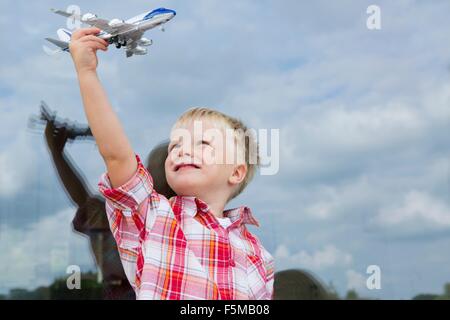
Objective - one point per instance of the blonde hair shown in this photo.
(243, 137)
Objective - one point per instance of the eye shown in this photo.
(173, 146)
(206, 143)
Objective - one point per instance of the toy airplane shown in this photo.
(73, 129)
(127, 34)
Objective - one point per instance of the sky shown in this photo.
(363, 117)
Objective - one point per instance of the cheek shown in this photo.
(168, 162)
(167, 169)
(227, 170)
(207, 157)
(214, 156)
(216, 171)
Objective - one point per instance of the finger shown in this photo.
(58, 130)
(84, 31)
(95, 45)
(94, 38)
(62, 130)
(48, 129)
(49, 125)
(65, 134)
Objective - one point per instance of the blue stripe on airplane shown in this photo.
(158, 12)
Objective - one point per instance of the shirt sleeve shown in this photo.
(269, 263)
(132, 193)
(127, 208)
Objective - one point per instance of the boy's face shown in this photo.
(196, 164)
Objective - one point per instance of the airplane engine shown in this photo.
(139, 50)
(116, 23)
(145, 42)
(88, 17)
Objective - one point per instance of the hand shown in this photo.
(83, 48)
(56, 137)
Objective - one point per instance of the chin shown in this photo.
(187, 192)
(184, 187)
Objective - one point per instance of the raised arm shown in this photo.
(73, 183)
(110, 137)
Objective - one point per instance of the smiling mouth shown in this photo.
(186, 165)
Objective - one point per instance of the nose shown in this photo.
(184, 151)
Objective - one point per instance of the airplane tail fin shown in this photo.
(64, 35)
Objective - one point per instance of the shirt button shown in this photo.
(232, 263)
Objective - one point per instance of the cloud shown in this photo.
(418, 213)
(355, 281)
(35, 255)
(328, 201)
(328, 257)
(16, 165)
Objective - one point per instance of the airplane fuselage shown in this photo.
(140, 23)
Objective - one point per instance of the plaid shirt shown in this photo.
(176, 249)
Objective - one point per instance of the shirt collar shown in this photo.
(194, 205)
(242, 213)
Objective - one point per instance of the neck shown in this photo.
(217, 210)
(216, 204)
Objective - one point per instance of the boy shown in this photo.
(187, 247)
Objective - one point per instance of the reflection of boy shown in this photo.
(90, 218)
(187, 247)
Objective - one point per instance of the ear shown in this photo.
(238, 175)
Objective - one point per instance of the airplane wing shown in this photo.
(94, 21)
(62, 44)
(129, 53)
(135, 37)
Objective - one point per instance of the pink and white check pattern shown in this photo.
(176, 249)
